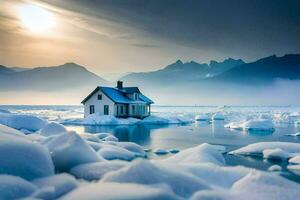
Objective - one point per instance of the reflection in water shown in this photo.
(139, 134)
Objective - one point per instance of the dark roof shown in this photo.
(119, 96)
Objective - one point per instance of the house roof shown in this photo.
(119, 96)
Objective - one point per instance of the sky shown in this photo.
(117, 36)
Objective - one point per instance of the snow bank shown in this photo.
(145, 172)
(202, 117)
(12, 187)
(119, 191)
(203, 153)
(69, 149)
(258, 148)
(62, 183)
(20, 121)
(24, 158)
(90, 137)
(95, 171)
(52, 128)
(252, 125)
(295, 160)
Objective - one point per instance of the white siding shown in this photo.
(99, 104)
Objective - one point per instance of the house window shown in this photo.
(99, 96)
(133, 109)
(92, 109)
(106, 110)
(135, 96)
(122, 110)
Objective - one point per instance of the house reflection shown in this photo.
(139, 134)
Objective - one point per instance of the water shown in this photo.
(188, 135)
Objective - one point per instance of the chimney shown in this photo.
(120, 85)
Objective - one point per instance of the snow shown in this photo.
(204, 153)
(136, 149)
(295, 160)
(118, 191)
(110, 138)
(102, 135)
(294, 134)
(13, 187)
(111, 152)
(276, 154)
(95, 171)
(294, 168)
(144, 172)
(20, 121)
(202, 117)
(23, 158)
(90, 137)
(275, 168)
(10, 132)
(52, 128)
(252, 125)
(69, 149)
(218, 116)
(62, 183)
(258, 148)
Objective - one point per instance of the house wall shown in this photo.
(140, 110)
(99, 104)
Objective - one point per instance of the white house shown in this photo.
(119, 102)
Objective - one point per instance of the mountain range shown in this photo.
(186, 77)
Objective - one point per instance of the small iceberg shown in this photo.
(202, 117)
(218, 116)
(252, 125)
(160, 151)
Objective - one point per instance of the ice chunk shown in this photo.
(276, 154)
(199, 154)
(102, 135)
(257, 148)
(13, 187)
(110, 152)
(21, 157)
(275, 168)
(10, 132)
(136, 149)
(62, 183)
(295, 160)
(202, 117)
(252, 125)
(20, 121)
(69, 149)
(118, 191)
(111, 138)
(90, 137)
(160, 151)
(260, 185)
(145, 172)
(218, 116)
(95, 171)
(52, 128)
(156, 120)
(174, 151)
(294, 168)
(294, 134)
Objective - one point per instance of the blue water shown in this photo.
(187, 135)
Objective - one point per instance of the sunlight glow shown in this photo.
(36, 19)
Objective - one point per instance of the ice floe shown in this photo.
(202, 117)
(252, 125)
(257, 149)
(276, 154)
(218, 116)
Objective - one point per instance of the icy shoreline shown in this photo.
(68, 165)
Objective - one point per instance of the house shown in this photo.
(119, 102)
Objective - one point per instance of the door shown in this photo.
(106, 110)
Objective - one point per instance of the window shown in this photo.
(133, 109)
(92, 109)
(135, 96)
(106, 110)
(99, 96)
(122, 110)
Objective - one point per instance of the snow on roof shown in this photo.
(119, 96)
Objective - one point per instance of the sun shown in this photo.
(36, 19)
